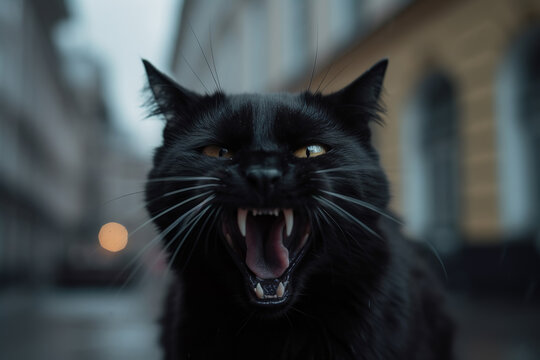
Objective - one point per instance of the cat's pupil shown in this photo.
(308, 152)
(222, 152)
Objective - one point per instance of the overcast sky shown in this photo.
(119, 33)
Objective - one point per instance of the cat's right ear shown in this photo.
(364, 90)
(168, 98)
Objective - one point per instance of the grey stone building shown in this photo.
(60, 157)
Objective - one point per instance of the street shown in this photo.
(83, 324)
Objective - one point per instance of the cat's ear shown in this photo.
(365, 90)
(168, 98)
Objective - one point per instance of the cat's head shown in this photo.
(257, 194)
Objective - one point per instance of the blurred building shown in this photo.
(461, 139)
(268, 45)
(39, 185)
(56, 138)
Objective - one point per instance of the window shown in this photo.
(431, 163)
(518, 136)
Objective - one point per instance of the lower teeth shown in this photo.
(259, 291)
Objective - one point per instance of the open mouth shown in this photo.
(266, 245)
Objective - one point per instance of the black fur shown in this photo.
(359, 292)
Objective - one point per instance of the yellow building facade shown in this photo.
(468, 42)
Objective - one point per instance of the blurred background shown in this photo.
(461, 147)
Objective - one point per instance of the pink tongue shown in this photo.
(266, 256)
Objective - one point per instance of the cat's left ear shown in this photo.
(169, 98)
(365, 90)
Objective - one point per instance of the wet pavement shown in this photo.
(80, 324)
(496, 327)
(90, 324)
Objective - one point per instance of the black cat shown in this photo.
(273, 210)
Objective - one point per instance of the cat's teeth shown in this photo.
(289, 220)
(256, 212)
(303, 241)
(241, 218)
(229, 240)
(259, 291)
(287, 213)
(280, 290)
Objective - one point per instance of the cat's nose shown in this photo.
(263, 178)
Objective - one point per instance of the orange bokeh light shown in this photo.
(113, 237)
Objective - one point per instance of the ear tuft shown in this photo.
(375, 77)
(167, 97)
(361, 97)
(366, 88)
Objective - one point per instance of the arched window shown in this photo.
(431, 162)
(518, 136)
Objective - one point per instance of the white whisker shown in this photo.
(187, 189)
(136, 209)
(162, 252)
(363, 204)
(179, 246)
(169, 210)
(203, 226)
(123, 196)
(340, 210)
(345, 168)
(327, 216)
(160, 236)
(183, 178)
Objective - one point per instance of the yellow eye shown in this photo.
(217, 152)
(310, 151)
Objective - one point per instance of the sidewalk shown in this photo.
(97, 324)
(86, 324)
